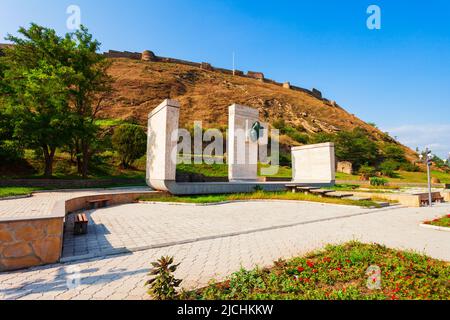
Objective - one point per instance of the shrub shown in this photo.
(10, 151)
(353, 146)
(374, 181)
(299, 137)
(163, 284)
(389, 167)
(293, 133)
(130, 142)
(407, 166)
(366, 172)
(394, 152)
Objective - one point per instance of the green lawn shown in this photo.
(257, 195)
(440, 222)
(338, 272)
(221, 170)
(15, 191)
(403, 176)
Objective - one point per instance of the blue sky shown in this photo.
(397, 77)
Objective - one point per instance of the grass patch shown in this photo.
(338, 272)
(16, 191)
(402, 177)
(440, 222)
(221, 170)
(257, 195)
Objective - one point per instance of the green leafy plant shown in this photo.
(339, 272)
(375, 181)
(389, 167)
(130, 142)
(163, 284)
(366, 172)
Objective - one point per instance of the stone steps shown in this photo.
(321, 192)
(339, 195)
(355, 198)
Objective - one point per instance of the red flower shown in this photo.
(339, 269)
(326, 259)
(300, 269)
(310, 264)
(348, 260)
(314, 271)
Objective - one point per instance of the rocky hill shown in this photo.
(205, 94)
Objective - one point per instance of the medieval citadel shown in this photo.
(148, 55)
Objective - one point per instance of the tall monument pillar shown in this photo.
(242, 146)
(161, 147)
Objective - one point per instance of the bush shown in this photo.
(293, 133)
(297, 136)
(366, 172)
(389, 167)
(130, 142)
(163, 284)
(374, 181)
(353, 146)
(394, 152)
(10, 151)
(407, 166)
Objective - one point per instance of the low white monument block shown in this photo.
(314, 164)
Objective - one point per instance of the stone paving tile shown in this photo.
(123, 276)
(133, 226)
(41, 203)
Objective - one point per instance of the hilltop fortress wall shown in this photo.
(148, 55)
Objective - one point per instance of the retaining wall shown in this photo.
(29, 242)
(26, 243)
(68, 184)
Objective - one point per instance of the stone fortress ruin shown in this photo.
(150, 56)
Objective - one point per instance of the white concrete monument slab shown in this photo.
(242, 145)
(314, 164)
(161, 147)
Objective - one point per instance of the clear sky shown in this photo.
(397, 77)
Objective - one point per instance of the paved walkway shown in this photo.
(41, 203)
(135, 227)
(123, 276)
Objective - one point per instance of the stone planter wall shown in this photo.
(30, 242)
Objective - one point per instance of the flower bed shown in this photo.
(440, 222)
(352, 271)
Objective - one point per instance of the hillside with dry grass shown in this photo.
(140, 86)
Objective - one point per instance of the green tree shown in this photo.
(389, 167)
(33, 83)
(353, 146)
(394, 152)
(89, 86)
(130, 142)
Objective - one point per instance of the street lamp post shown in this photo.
(428, 160)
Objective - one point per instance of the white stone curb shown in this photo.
(256, 200)
(429, 226)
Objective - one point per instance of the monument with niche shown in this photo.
(312, 165)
